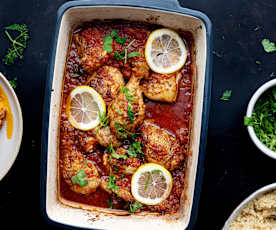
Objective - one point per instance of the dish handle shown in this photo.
(165, 4)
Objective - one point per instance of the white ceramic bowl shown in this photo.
(253, 196)
(250, 110)
(9, 148)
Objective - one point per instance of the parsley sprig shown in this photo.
(111, 183)
(134, 207)
(18, 44)
(226, 95)
(134, 149)
(263, 119)
(79, 178)
(113, 154)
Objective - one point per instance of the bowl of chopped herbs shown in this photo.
(260, 118)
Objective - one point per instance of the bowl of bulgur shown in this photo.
(256, 212)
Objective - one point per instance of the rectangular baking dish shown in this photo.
(167, 14)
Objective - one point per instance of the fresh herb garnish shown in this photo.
(79, 178)
(268, 46)
(19, 43)
(110, 203)
(263, 119)
(257, 28)
(122, 176)
(226, 95)
(118, 39)
(134, 149)
(111, 182)
(13, 82)
(123, 132)
(258, 62)
(127, 48)
(128, 95)
(104, 120)
(134, 207)
(130, 112)
(119, 56)
(272, 74)
(134, 54)
(113, 154)
(108, 42)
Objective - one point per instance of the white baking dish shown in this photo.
(167, 14)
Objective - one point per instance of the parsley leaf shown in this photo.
(134, 207)
(118, 39)
(123, 132)
(263, 119)
(104, 120)
(108, 42)
(134, 149)
(13, 82)
(134, 54)
(127, 48)
(18, 44)
(128, 95)
(113, 154)
(79, 178)
(119, 56)
(268, 46)
(226, 95)
(111, 182)
(110, 203)
(130, 112)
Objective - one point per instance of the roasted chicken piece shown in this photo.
(161, 87)
(105, 137)
(127, 166)
(89, 43)
(107, 81)
(75, 164)
(3, 112)
(160, 147)
(127, 111)
(140, 68)
(121, 187)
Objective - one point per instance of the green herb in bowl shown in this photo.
(263, 119)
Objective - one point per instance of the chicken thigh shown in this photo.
(89, 44)
(160, 146)
(161, 87)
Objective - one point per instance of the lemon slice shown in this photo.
(165, 51)
(151, 184)
(83, 106)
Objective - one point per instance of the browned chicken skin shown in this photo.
(107, 81)
(105, 137)
(161, 87)
(90, 48)
(160, 146)
(73, 163)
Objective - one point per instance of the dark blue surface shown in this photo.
(234, 167)
(162, 5)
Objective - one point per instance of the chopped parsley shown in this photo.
(113, 154)
(134, 54)
(79, 178)
(258, 62)
(226, 95)
(18, 44)
(134, 207)
(122, 176)
(263, 119)
(108, 42)
(13, 82)
(257, 28)
(119, 56)
(128, 95)
(111, 182)
(130, 112)
(272, 74)
(123, 132)
(268, 46)
(134, 149)
(104, 120)
(110, 203)
(118, 39)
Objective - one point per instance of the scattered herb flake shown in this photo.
(128, 95)
(226, 95)
(272, 74)
(257, 28)
(134, 207)
(108, 42)
(79, 178)
(258, 62)
(130, 112)
(113, 154)
(268, 46)
(18, 44)
(110, 203)
(111, 182)
(134, 149)
(134, 54)
(13, 82)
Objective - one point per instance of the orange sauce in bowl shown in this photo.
(4, 102)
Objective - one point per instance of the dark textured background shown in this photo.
(234, 168)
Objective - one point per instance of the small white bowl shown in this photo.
(9, 148)
(242, 205)
(250, 110)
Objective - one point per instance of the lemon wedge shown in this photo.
(151, 184)
(165, 51)
(83, 107)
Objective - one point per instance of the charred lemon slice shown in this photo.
(83, 107)
(165, 51)
(151, 184)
